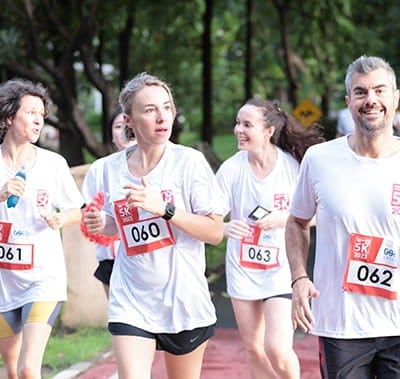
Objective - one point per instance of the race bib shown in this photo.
(140, 232)
(14, 256)
(257, 251)
(372, 267)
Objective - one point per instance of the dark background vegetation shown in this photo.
(214, 53)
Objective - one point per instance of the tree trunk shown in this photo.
(71, 147)
(248, 64)
(207, 127)
(283, 8)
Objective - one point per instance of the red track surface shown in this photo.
(225, 358)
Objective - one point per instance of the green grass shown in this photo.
(225, 145)
(188, 138)
(65, 349)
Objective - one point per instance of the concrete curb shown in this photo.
(74, 371)
(79, 368)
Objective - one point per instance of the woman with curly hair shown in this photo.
(33, 281)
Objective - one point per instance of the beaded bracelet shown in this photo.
(300, 277)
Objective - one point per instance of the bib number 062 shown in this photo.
(383, 277)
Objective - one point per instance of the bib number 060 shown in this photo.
(145, 231)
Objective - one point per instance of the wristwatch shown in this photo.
(169, 211)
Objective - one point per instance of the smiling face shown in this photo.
(372, 101)
(250, 128)
(28, 122)
(151, 115)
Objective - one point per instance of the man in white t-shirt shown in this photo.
(352, 185)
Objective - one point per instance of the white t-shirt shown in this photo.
(31, 254)
(161, 289)
(257, 269)
(91, 186)
(345, 122)
(357, 205)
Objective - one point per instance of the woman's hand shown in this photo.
(276, 219)
(15, 186)
(236, 229)
(144, 197)
(93, 220)
(55, 220)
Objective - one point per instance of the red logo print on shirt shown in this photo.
(167, 196)
(42, 198)
(281, 201)
(395, 199)
(124, 212)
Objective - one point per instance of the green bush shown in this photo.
(215, 257)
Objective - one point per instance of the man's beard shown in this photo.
(372, 128)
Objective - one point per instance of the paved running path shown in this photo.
(224, 359)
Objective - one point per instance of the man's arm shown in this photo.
(297, 246)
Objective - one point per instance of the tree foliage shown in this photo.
(214, 53)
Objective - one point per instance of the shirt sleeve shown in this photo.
(303, 203)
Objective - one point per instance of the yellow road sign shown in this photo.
(307, 112)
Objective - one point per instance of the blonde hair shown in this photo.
(136, 84)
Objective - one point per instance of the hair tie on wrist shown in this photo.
(297, 279)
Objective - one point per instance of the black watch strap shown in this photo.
(169, 211)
